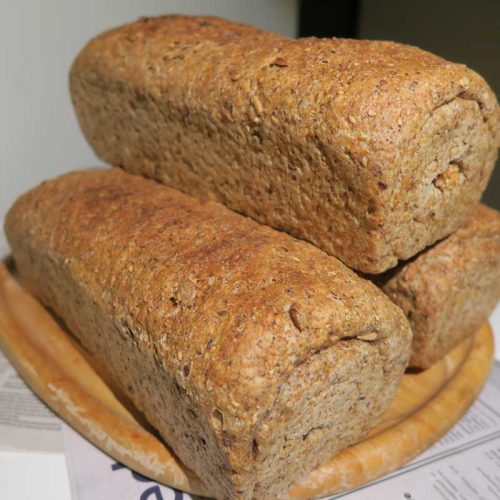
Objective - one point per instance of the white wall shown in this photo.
(39, 135)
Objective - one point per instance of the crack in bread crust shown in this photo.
(449, 290)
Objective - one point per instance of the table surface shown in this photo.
(47, 473)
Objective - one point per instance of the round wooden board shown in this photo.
(427, 405)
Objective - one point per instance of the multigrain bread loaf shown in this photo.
(449, 290)
(370, 150)
(255, 355)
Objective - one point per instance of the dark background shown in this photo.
(462, 31)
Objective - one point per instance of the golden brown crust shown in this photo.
(234, 339)
(449, 290)
(370, 150)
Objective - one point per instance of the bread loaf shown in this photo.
(449, 290)
(255, 355)
(370, 150)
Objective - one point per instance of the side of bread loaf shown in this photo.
(370, 150)
(449, 290)
(255, 355)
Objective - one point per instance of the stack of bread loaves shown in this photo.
(258, 356)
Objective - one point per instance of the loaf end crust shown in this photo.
(448, 291)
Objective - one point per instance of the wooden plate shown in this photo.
(427, 405)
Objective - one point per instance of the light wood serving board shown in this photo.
(56, 367)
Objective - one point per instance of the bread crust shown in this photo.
(255, 355)
(448, 291)
(370, 150)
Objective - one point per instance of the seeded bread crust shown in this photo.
(449, 290)
(370, 150)
(255, 355)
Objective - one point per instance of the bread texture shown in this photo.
(255, 355)
(370, 150)
(448, 291)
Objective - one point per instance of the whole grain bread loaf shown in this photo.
(255, 355)
(370, 150)
(449, 290)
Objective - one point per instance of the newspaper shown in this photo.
(464, 465)
(93, 475)
(26, 424)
